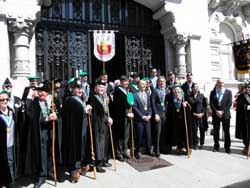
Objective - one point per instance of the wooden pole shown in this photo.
(53, 132)
(186, 128)
(92, 145)
(132, 136)
(112, 145)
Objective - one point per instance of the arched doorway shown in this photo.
(64, 43)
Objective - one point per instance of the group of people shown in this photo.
(70, 124)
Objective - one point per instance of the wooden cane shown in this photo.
(92, 145)
(112, 145)
(111, 136)
(132, 136)
(185, 120)
(53, 134)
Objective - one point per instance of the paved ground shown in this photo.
(204, 169)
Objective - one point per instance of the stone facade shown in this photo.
(198, 37)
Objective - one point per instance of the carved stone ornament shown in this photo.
(179, 39)
(21, 25)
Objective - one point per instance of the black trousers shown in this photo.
(160, 135)
(46, 153)
(122, 139)
(198, 125)
(226, 129)
(139, 132)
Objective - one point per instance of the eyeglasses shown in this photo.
(7, 87)
(2, 100)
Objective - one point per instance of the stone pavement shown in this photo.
(204, 169)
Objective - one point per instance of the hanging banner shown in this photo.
(241, 52)
(104, 45)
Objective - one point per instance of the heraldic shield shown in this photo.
(104, 45)
(241, 52)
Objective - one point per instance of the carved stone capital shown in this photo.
(21, 24)
(179, 39)
(246, 10)
(45, 3)
(230, 7)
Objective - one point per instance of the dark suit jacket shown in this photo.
(139, 110)
(225, 106)
(157, 108)
(185, 88)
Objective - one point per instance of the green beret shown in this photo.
(4, 92)
(33, 78)
(145, 79)
(71, 80)
(84, 73)
(176, 85)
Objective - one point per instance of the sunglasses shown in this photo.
(2, 100)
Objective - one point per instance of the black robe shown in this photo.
(242, 130)
(100, 127)
(5, 175)
(74, 127)
(33, 163)
(176, 125)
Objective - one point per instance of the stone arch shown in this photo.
(235, 27)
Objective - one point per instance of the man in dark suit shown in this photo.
(221, 102)
(159, 107)
(122, 114)
(188, 85)
(143, 113)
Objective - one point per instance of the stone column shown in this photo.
(180, 41)
(4, 44)
(22, 30)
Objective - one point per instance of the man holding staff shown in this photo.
(74, 130)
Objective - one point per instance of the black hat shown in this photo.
(58, 80)
(189, 74)
(100, 82)
(7, 83)
(123, 78)
(44, 86)
(76, 83)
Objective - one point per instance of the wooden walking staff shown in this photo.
(186, 128)
(130, 100)
(53, 132)
(92, 145)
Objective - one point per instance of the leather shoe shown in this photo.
(40, 182)
(216, 149)
(157, 154)
(84, 170)
(106, 164)
(100, 169)
(13, 185)
(126, 155)
(228, 151)
(138, 155)
(74, 177)
(120, 158)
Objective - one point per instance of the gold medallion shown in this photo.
(145, 108)
(162, 103)
(177, 110)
